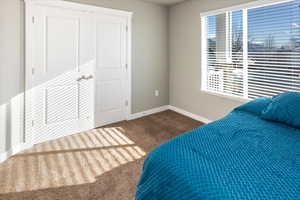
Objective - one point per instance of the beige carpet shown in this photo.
(102, 164)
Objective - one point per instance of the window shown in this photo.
(253, 51)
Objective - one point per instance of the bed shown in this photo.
(240, 156)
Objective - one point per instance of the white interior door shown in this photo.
(111, 69)
(63, 72)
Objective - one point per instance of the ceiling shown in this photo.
(165, 2)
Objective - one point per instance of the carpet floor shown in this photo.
(101, 164)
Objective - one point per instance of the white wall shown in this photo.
(185, 59)
(11, 73)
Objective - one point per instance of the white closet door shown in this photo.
(111, 74)
(63, 67)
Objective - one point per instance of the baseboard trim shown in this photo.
(169, 107)
(14, 150)
(189, 114)
(148, 112)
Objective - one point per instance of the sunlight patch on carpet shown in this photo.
(72, 160)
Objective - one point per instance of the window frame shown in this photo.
(203, 16)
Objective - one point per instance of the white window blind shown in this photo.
(252, 52)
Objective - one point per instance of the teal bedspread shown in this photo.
(238, 157)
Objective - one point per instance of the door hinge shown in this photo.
(127, 28)
(126, 103)
(32, 71)
(32, 123)
(126, 67)
(33, 19)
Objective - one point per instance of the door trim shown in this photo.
(29, 21)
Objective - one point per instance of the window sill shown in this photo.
(228, 96)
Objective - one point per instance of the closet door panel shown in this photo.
(111, 69)
(64, 52)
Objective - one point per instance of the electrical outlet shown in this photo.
(156, 93)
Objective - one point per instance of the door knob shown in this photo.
(84, 77)
(89, 77)
(81, 78)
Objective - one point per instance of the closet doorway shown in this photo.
(78, 68)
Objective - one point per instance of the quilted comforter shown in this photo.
(238, 157)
